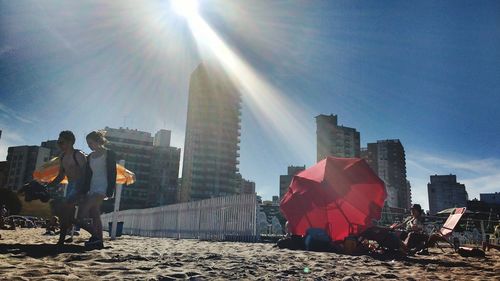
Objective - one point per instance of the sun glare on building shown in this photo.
(272, 109)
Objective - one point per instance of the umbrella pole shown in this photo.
(489, 218)
(118, 196)
(73, 227)
(351, 228)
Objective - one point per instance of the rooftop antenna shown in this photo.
(124, 121)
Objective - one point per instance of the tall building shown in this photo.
(156, 167)
(245, 186)
(136, 148)
(23, 160)
(53, 147)
(164, 172)
(493, 198)
(285, 180)
(387, 159)
(408, 194)
(162, 138)
(211, 147)
(445, 192)
(4, 173)
(335, 140)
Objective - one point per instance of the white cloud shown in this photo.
(489, 165)
(10, 113)
(485, 184)
(8, 138)
(478, 175)
(417, 166)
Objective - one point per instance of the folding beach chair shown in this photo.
(444, 234)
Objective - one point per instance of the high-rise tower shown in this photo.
(387, 159)
(211, 147)
(335, 140)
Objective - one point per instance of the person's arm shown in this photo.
(87, 175)
(82, 163)
(417, 224)
(111, 172)
(401, 224)
(82, 167)
(60, 175)
(396, 226)
(81, 159)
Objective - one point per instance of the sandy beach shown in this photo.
(26, 254)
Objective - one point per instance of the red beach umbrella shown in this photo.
(340, 195)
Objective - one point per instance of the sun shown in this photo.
(185, 8)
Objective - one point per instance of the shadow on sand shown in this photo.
(40, 250)
(421, 260)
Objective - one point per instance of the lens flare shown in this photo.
(185, 8)
(272, 109)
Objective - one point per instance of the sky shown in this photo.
(426, 73)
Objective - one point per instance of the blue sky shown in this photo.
(427, 73)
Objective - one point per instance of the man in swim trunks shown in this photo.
(72, 166)
(73, 163)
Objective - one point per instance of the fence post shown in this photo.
(483, 234)
(255, 219)
(198, 233)
(178, 227)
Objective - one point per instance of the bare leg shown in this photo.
(84, 214)
(62, 232)
(95, 214)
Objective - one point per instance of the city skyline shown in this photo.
(425, 73)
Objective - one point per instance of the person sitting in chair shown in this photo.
(414, 236)
(497, 231)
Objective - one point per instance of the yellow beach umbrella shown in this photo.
(124, 176)
(49, 171)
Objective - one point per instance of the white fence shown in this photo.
(226, 218)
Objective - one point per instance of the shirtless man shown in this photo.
(72, 166)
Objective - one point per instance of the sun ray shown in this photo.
(185, 8)
(273, 110)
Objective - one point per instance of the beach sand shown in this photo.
(26, 254)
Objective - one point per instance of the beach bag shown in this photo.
(317, 239)
(35, 191)
(350, 244)
(384, 237)
(471, 252)
(295, 242)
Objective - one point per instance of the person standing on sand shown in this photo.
(3, 216)
(100, 182)
(72, 165)
(497, 231)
